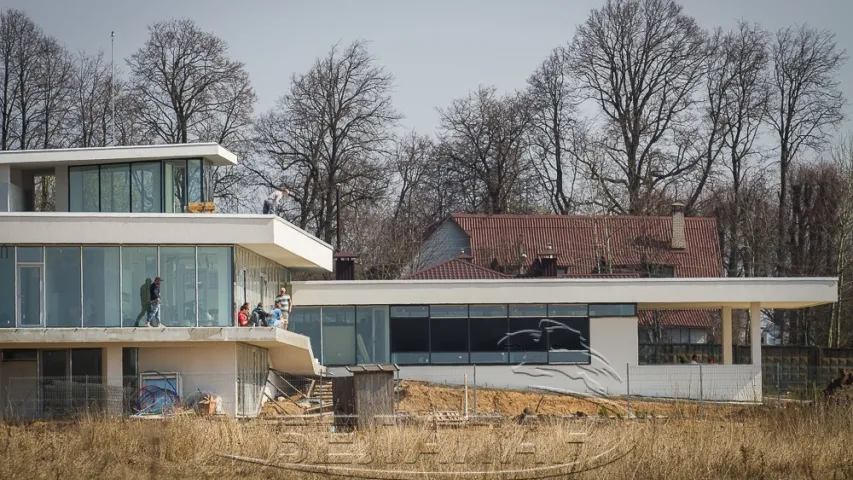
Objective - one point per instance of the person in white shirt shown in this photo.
(286, 305)
(271, 201)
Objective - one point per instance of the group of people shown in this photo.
(278, 316)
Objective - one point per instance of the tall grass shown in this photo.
(797, 442)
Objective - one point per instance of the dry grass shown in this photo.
(798, 442)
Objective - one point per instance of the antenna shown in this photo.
(112, 86)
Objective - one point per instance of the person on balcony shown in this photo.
(153, 319)
(272, 201)
(243, 316)
(286, 303)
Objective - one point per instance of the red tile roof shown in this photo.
(679, 318)
(455, 269)
(579, 240)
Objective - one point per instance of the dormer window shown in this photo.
(169, 186)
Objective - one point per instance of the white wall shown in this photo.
(202, 367)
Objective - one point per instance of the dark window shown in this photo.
(568, 340)
(16, 355)
(660, 271)
(528, 340)
(613, 310)
(409, 338)
(54, 364)
(85, 362)
(449, 340)
(489, 340)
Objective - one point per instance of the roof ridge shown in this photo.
(554, 216)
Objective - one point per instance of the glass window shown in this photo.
(613, 310)
(528, 311)
(448, 311)
(306, 321)
(568, 340)
(413, 311)
(489, 340)
(83, 190)
(86, 362)
(7, 286)
(145, 187)
(101, 285)
(30, 255)
(527, 340)
(209, 181)
(485, 311)
(449, 340)
(62, 287)
(175, 185)
(214, 287)
(178, 291)
(372, 335)
(30, 295)
(194, 181)
(567, 310)
(409, 340)
(115, 188)
(338, 335)
(139, 268)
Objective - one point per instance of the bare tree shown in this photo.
(639, 61)
(805, 102)
(332, 128)
(557, 137)
(483, 143)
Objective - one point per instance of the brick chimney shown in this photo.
(345, 265)
(548, 261)
(679, 241)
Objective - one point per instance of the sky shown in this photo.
(436, 49)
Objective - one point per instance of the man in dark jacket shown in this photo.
(154, 304)
(258, 317)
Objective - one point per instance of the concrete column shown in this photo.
(112, 370)
(755, 332)
(727, 335)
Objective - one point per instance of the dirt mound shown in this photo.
(840, 387)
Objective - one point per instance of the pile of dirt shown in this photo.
(840, 387)
(296, 405)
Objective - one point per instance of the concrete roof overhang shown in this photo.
(647, 293)
(288, 352)
(266, 235)
(36, 159)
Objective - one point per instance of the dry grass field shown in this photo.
(796, 442)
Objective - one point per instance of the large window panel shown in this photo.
(7, 286)
(101, 287)
(83, 189)
(178, 291)
(145, 187)
(175, 185)
(214, 287)
(528, 311)
(115, 188)
(338, 335)
(306, 321)
(209, 180)
(139, 268)
(62, 287)
(448, 311)
(613, 310)
(409, 340)
(449, 340)
(372, 335)
(487, 311)
(194, 181)
(568, 340)
(489, 340)
(527, 341)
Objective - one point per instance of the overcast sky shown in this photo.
(437, 49)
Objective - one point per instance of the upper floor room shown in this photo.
(126, 179)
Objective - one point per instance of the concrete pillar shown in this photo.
(727, 335)
(755, 332)
(112, 380)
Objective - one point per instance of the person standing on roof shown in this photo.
(272, 201)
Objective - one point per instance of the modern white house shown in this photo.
(74, 282)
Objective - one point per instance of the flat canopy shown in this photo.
(647, 293)
(212, 152)
(266, 235)
(288, 352)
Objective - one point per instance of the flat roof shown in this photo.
(267, 235)
(647, 293)
(32, 159)
(288, 351)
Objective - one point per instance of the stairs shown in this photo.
(322, 390)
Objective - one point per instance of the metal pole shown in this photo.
(475, 390)
(628, 381)
(113, 85)
(701, 405)
(466, 396)
(778, 385)
(338, 214)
